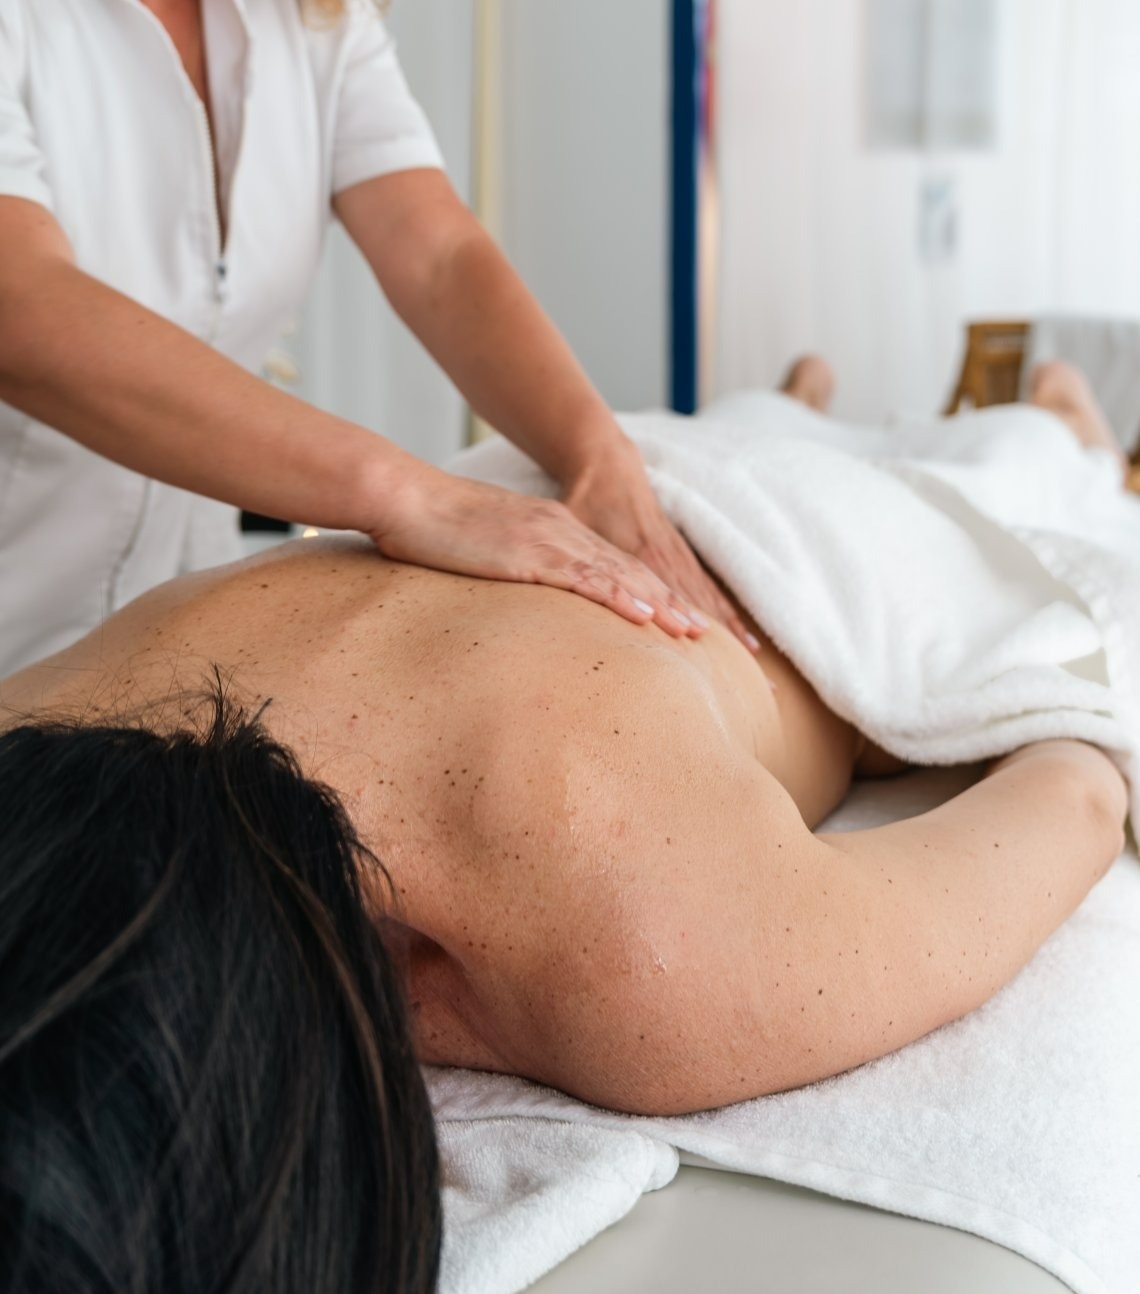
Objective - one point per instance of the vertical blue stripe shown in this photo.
(688, 62)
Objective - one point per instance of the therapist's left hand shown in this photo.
(612, 495)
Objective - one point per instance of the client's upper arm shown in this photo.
(964, 895)
(775, 958)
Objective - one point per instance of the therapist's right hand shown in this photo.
(453, 524)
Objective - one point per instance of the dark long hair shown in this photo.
(206, 1079)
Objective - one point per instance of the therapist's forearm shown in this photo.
(135, 388)
(479, 320)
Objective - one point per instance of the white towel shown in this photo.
(522, 1193)
(957, 590)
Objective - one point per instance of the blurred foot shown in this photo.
(811, 380)
(1063, 390)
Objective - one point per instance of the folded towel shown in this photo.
(521, 1194)
(956, 590)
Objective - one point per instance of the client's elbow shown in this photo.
(1104, 805)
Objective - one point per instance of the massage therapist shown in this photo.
(167, 172)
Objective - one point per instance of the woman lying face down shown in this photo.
(603, 876)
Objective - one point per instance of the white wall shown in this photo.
(356, 358)
(819, 237)
(585, 102)
(583, 207)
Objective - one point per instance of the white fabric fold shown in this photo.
(956, 588)
(522, 1194)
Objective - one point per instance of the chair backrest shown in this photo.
(993, 364)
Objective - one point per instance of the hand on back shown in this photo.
(463, 526)
(616, 500)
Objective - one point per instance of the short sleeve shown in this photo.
(378, 126)
(22, 167)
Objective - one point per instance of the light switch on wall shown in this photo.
(938, 218)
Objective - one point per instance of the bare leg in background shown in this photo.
(1063, 390)
(811, 380)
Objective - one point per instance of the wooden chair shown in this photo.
(992, 370)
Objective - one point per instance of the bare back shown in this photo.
(600, 837)
(485, 737)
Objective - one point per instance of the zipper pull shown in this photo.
(220, 284)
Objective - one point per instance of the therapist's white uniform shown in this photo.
(99, 123)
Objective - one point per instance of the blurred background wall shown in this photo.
(822, 238)
(554, 118)
(585, 118)
(355, 358)
(579, 128)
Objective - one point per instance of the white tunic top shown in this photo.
(99, 123)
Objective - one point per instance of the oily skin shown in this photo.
(599, 836)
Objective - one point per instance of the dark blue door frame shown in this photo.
(689, 28)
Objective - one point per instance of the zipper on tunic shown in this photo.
(221, 260)
(220, 268)
(221, 245)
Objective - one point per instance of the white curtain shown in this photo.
(355, 357)
(819, 235)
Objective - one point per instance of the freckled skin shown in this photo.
(599, 836)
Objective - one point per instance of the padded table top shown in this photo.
(712, 1230)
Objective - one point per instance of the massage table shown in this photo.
(737, 1235)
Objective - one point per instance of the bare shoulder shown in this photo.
(637, 914)
(127, 661)
(731, 953)
(169, 638)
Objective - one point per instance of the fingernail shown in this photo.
(643, 606)
(752, 642)
(681, 617)
(699, 620)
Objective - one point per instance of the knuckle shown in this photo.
(582, 577)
